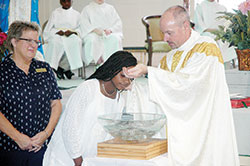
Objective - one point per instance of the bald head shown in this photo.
(178, 14)
(175, 24)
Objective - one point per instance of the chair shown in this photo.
(154, 41)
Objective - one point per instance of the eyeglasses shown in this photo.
(38, 43)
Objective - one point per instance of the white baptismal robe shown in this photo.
(78, 130)
(193, 93)
(205, 17)
(62, 19)
(101, 16)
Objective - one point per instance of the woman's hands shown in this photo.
(38, 140)
(24, 142)
(31, 144)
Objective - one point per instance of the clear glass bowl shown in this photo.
(132, 126)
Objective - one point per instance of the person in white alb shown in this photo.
(64, 48)
(206, 21)
(190, 87)
(101, 29)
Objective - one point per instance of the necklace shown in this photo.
(104, 89)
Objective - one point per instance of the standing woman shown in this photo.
(30, 103)
(78, 131)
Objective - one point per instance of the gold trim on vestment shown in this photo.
(176, 60)
(210, 49)
(163, 63)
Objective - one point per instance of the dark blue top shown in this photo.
(25, 100)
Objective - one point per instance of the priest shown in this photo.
(190, 87)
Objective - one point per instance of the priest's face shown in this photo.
(66, 4)
(99, 1)
(175, 33)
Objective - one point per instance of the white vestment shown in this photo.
(193, 93)
(78, 130)
(57, 45)
(205, 17)
(103, 16)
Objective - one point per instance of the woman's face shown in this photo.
(122, 82)
(26, 46)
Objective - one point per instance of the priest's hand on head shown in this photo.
(136, 71)
(98, 31)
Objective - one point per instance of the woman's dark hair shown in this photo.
(114, 65)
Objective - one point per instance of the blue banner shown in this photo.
(35, 17)
(4, 14)
(34, 11)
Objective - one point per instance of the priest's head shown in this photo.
(175, 24)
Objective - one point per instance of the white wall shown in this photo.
(130, 11)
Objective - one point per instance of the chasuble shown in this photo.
(190, 87)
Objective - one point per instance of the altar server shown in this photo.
(206, 21)
(62, 33)
(101, 31)
(190, 87)
(78, 132)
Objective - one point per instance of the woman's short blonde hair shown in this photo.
(16, 30)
